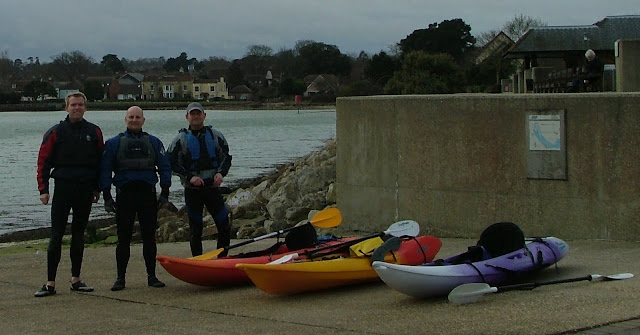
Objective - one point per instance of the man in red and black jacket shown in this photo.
(70, 153)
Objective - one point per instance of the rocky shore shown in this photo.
(290, 195)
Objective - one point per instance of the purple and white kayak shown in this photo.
(438, 278)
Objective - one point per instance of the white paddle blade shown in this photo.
(470, 293)
(283, 259)
(619, 276)
(403, 228)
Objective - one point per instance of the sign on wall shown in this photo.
(546, 144)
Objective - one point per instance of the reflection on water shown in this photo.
(258, 140)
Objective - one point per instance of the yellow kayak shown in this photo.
(304, 276)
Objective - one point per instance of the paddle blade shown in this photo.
(619, 276)
(403, 228)
(470, 293)
(327, 218)
(208, 255)
(284, 259)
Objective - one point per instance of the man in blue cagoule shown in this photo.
(130, 162)
(200, 156)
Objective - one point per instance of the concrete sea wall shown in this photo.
(457, 163)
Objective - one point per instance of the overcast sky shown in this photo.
(135, 29)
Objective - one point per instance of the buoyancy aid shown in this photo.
(197, 162)
(77, 146)
(135, 153)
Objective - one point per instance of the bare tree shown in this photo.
(514, 28)
(259, 51)
(72, 66)
(520, 24)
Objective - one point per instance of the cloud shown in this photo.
(203, 28)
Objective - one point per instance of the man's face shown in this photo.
(134, 119)
(76, 108)
(196, 119)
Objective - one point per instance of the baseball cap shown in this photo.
(194, 106)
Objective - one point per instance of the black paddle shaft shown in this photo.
(531, 286)
(275, 233)
(334, 247)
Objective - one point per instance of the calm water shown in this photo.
(258, 141)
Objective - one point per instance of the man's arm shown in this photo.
(107, 164)
(176, 160)
(222, 153)
(163, 164)
(45, 164)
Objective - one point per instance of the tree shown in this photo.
(235, 75)
(514, 28)
(112, 64)
(290, 86)
(317, 58)
(381, 67)
(452, 37)
(180, 62)
(519, 25)
(72, 66)
(424, 73)
(94, 90)
(259, 51)
(37, 89)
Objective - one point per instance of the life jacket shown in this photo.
(198, 163)
(135, 153)
(76, 146)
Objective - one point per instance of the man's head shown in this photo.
(195, 115)
(590, 55)
(75, 105)
(134, 119)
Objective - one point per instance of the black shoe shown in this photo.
(154, 282)
(45, 291)
(80, 287)
(118, 285)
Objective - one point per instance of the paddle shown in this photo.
(469, 293)
(398, 229)
(327, 218)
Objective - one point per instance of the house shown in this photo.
(320, 84)
(126, 87)
(167, 87)
(241, 92)
(65, 87)
(205, 89)
(497, 46)
(547, 50)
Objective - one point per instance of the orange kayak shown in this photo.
(313, 275)
(222, 271)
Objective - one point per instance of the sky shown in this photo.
(136, 29)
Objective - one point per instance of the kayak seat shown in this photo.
(305, 236)
(502, 238)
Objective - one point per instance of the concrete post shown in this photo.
(627, 54)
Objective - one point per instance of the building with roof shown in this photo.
(543, 50)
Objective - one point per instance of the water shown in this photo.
(258, 141)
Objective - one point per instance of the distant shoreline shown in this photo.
(167, 105)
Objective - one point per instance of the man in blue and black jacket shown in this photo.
(132, 162)
(200, 157)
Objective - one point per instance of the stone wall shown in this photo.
(457, 163)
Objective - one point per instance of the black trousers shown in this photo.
(136, 199)
(198, 198)
(68, 196)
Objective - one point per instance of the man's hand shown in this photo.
(109, 205)
(96, 197)
(217, 180)
(44, 198)
(196, 181)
